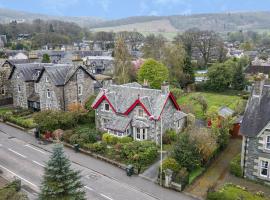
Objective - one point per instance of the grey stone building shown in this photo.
(62, 85)
(99, 64)
(143, 113)
(255, 128)
(41, 86)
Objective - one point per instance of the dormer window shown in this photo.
(140, 112)
(106, 107)
(267, 143)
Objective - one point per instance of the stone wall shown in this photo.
(253, 152)
(19, 98)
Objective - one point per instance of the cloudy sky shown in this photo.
(113, 9)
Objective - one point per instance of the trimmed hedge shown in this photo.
(110, 139)
(235, 166)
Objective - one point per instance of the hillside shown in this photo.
(7, 15)
(221, 22)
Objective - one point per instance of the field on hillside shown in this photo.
(163, 27)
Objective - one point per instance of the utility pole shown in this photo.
(161, 127)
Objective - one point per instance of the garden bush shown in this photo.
(235, 166)
(170, 163)
(182, 177)
(66, 136)
(169, 137)
(98, 147)
(110, 139)
(177, 92)
(125, 140)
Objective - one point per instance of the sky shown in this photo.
(115, 9)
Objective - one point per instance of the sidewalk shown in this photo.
(216, 171)
(135, 182)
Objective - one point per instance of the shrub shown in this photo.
(125, 140)
(97, 147)
(235, 166)
(169, 137)
(177, 92)
(106, 137)
(170, 163)
(66, 136)
(182, 177)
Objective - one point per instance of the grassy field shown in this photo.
(229, 99)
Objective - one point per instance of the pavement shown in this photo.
(216, 172)
(22, 156)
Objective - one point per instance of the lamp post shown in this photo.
(161, 127)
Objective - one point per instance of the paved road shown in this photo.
(23, 157)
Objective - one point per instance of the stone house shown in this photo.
(255, 129)
(41, 86)
(99, 64)
(61, 85)
(143, 113)
(22, 81)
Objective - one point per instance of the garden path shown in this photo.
(216, 172)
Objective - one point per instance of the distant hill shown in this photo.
(7, 15)
(220, 22)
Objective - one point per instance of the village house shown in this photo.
(255, 128)
(41, 86)
(134, 110)
(62, 85)
(99, 64)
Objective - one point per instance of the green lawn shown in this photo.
(4, 109)
(195, 173)
(229, 99)
(231, 192)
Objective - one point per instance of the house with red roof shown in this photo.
(138, 111)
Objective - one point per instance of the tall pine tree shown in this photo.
(60, 181)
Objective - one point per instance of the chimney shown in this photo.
(165, 88)
(258, 84)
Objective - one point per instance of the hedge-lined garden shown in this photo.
(20, 117)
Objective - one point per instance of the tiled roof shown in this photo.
(118, 123)
(123, 97)
(179, 115)
(257, 114)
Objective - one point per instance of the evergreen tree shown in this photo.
(46, 58)
(238, 79)
(188, 73)
(60, 181)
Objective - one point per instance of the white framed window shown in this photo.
(49, 95)
(46, 79)
(141, 134)
(264, 168)
(267, 146)
(19, 88)
(106, 107)
(140, 112)
(80, 89)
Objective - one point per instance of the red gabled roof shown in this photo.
(137, 102)
(103, 97)
(134, 105)
(170, 96)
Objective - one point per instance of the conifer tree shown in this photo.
(60, 181)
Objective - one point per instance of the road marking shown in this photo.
(38, 163)
(17, 153)
(19, 176)
(106, 196)
(27, 145)
(91, 189)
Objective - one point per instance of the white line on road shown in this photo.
(88, 188)
(19, 176)
(27, 145)
(38, 163)
(106, 196)
(17, 153)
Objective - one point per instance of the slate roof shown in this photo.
(257, 114)
(140, 124)
(254, 69)
(118, 123)
(225, 112)
(59, 73)
(122, 97)
(179, 115)
(30, 70)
